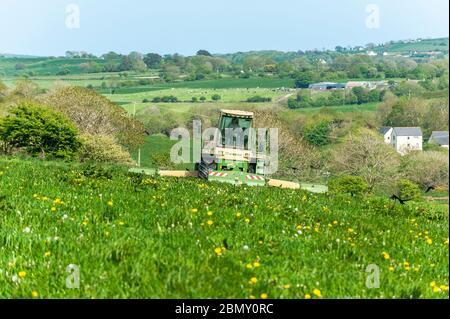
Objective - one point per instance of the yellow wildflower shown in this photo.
(210, 222)
(429, 241)
(110, 203)
(256, 264)
(46, 254)
(249, 266)
(307, 296)
(194, 210)
(218, 251)
(53, 209)
(317, 292)
(22, 274)
(264, 296)
(386, 255)
(238, 215)
(34, 294)
(210, 213)
(247, 220)
(253, 280)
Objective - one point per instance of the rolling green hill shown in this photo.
(148, 237)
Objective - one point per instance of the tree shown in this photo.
(152, 60)
(304, 79)
(365, 154)
(426, 169)
(94, 114)
(319, 135)
(40, 130)
(216, 97)
(203, 52)
(25, 89)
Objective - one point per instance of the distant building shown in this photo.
(406, 139)
(386, 131)
(323, 86)
(364, 84)
(440, 138)
(371, 53)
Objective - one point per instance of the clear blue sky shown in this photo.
(38, 27)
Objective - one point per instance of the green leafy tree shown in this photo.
(319, 135)
(152, 60)
(203, 52)
(216, 97)
(40, 130)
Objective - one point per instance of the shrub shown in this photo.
(257, 98)
(216, 97)
(408, 190)
(40, 130)
(319, 135)
(194, 99)
(103, 149)
(353, 185)
(202, 98)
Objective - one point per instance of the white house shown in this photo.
(440, 138)
(386, 131)
(406, 139)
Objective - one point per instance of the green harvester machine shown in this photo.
(233, 158)
(230, 160)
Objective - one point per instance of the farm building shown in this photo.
(386, 131)
(323, 86)
(440, 138)
(406, 139)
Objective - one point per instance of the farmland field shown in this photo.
(150, 237)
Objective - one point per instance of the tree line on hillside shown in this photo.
(304, 67)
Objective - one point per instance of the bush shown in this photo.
(353, 185)
(408, 190)
(202, 98)
(216, 97)
(257, 98)
(103, 149)
(40, 130)
(194, 99)
(319, 135)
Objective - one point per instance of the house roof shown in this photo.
(407, 131)
(439, 137)
(384, 129)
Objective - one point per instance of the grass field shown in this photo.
(146, 237)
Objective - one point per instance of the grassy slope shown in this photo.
(149, 243)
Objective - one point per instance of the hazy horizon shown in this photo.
(50, 27)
